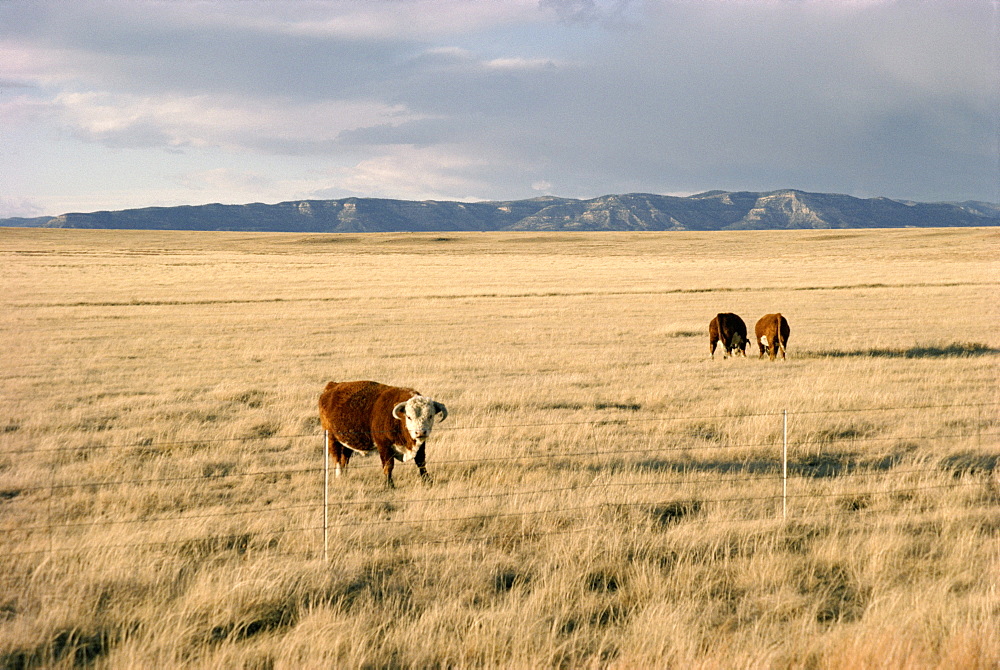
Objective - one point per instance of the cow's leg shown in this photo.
(345, 457)
(781, 342)
(711, 346)
(387, 462)
(421, 460)
(760, 345)
(336, 455)
(726, 342)
(772, 348)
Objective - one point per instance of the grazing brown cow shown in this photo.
(729, 330)
(772, 334)
(367, 416)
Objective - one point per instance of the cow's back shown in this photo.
(772, 325)
(730, 324)
(767, 325)
(347, 406)
(355, 412)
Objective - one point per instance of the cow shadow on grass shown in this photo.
(953, 350)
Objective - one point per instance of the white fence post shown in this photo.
(52, 493)
(326, 494)
(784, 464)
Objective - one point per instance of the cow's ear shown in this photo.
(399, 411)
(442, 410)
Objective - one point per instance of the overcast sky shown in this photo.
(117, 104)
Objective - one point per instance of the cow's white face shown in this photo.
(418, 413)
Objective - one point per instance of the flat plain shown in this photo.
(605, 494)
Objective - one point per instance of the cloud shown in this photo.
(245, 186)
(14, 207)
(235, 124)
(419, 173)
(225, 179)
(452, 99)
(606, 12)
(172, 48)
(385, 20)
(13, 84)
(784, 94)
(515, 64)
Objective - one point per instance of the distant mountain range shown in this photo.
(714, 210)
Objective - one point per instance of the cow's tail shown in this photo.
(720, 333)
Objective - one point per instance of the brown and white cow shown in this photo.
(729, 330)
(772, 334)
(366, 417)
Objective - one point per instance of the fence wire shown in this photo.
(873, 477)
(605, 420)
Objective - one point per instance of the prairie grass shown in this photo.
(606, 495)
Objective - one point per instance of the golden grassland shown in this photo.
(606, 495)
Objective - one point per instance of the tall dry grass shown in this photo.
(605, 494)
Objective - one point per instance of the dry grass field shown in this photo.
(605, 495)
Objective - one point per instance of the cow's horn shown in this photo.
(399, 411)
(442, 410)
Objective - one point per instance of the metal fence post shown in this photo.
(784, 464)
(51, 520)
(326, 494)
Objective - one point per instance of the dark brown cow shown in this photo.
(772, 334)
(366, 416)
(729, 330)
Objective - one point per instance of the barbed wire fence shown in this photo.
(786, 503)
